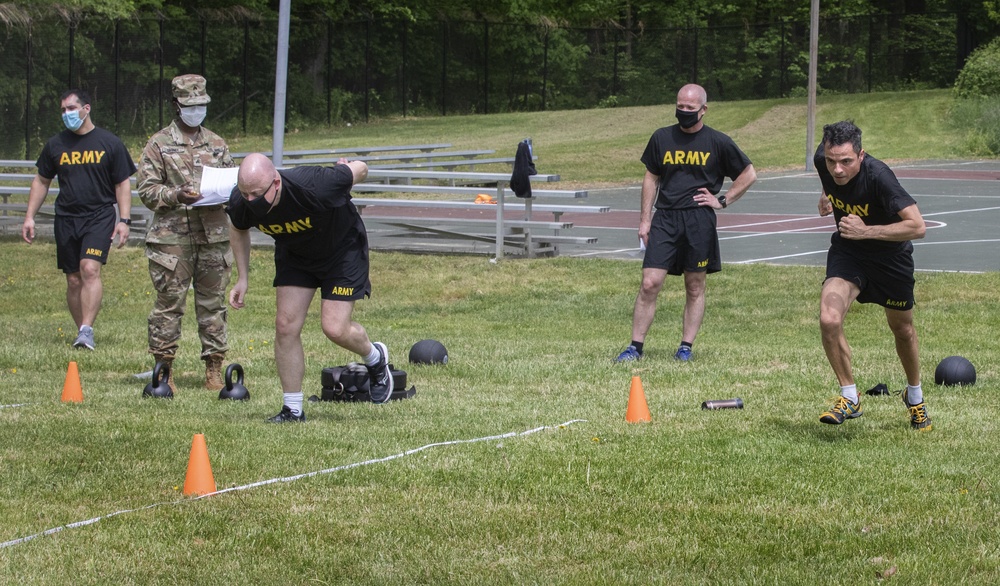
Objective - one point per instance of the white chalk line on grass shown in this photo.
(510, 434)
(14, 405)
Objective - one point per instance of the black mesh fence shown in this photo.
(355, 71)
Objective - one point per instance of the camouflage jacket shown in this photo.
(168, 162)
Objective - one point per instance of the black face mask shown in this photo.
(259, 207)
(686, 118)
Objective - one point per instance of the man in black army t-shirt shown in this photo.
(93, 167)
(870, 260)
(686, 165)
(319, 243)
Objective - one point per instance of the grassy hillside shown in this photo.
(603, 146)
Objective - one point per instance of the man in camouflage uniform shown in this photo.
(186, 242)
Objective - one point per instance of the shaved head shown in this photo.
(256, 175)
(694, 93)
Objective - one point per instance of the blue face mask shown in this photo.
(72, 120)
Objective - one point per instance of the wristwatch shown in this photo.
(722, 200)
(126, 221)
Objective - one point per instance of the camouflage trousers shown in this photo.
(175, 268)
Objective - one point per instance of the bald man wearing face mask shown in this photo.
(320, 242)
(186, 244)
(686, 165)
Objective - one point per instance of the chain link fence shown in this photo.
(355, 71)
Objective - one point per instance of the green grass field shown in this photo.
(763, 495)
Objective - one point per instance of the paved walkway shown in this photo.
(777, 220)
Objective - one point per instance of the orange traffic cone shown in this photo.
(199, 480)
(72, 391)
(638, 411)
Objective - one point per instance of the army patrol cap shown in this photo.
(189, 90)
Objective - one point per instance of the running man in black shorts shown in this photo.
(320, 242)
(870, 261)
(686, 165)
(93, 167)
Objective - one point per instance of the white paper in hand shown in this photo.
(216, 185)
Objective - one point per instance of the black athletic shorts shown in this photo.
(342, 277)
(884, 280)
(683, 241)
(80, 237)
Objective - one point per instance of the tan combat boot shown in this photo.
(169, 363)
(213, 372)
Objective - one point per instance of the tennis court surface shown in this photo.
(778, 221)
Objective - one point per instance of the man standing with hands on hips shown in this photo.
(686, 165)
(93, 167)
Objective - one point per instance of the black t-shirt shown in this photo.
(686, 162)
(89, 167)
(874, 195)
(313, 217)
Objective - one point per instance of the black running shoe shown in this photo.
(286, 416)
(878, 390)
(380, 377)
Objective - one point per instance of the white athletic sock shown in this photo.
(373, 357)
(85, 327)
(294, 402)
(914, 395)
(850, 392)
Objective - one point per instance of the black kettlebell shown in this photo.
(234, 390)
(158, 387)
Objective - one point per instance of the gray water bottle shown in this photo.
(736, 403)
